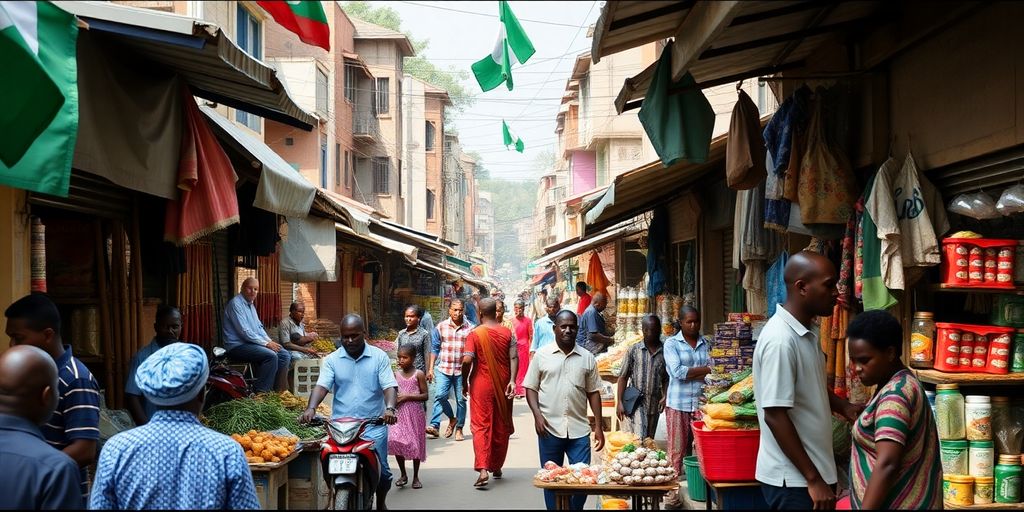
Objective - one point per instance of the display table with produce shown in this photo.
(635, 470)
(642, 496)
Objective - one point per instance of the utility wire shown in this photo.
(488, 15)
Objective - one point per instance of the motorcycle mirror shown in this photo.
(219, 351)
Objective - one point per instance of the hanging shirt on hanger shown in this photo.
(921, 213)
(881, 207)
(874, 292)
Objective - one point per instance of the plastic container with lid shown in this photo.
(983, 487)
(1017, 365)
(978, 417)
(922, 340)
(999, 353)
(1007, 483)
(980, 458)
(961, 490)
(949, 413)
(955, 457)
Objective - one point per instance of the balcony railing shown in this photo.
(365, 125)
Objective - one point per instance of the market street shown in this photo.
(448, 475)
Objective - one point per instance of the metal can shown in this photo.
(966, 349)
(1018, 352)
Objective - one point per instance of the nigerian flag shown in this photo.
(38, 96)
(496, 68)
(511, 138)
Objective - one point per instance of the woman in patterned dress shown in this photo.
(894, 463)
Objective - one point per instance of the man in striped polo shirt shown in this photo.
(74, 427)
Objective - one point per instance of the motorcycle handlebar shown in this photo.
(317, 421)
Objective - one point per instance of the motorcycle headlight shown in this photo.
(343, 432)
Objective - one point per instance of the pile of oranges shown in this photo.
(263, 447)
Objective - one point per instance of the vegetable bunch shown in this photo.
(265, 412)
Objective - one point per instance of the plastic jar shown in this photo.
(1007, 475)
(949, 409)
(983, 488)
(966, 349)
(961, 490)
(922, 340)
(955, 457)
(978, 417)
(999, 354)
(981, 458)
(1018, 352)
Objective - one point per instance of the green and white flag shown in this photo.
(38, 96)
(511, 138)
(496, 68)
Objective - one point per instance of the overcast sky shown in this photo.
(559, 33)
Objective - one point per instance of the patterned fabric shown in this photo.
(645, 371)
(173, 462)
(174, 374)
(78, 409)
(899, 413)
(242, 324)
(683, 394)
(408, 437)
(420, 341)
(678, 423)
(453, 341)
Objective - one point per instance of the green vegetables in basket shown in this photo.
(260, 414)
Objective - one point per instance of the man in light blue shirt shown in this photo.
(246, 340)
(364, 387)
(544, 327)
(173, 462)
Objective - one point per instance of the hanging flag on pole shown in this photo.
(305, 18)
(38, 96)
(511, 139)
(496, 68)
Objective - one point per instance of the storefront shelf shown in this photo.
(988, 506)
(987, 379)
(943, 287)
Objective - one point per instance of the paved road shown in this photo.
(448, 474)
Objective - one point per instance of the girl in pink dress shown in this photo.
(407, 439)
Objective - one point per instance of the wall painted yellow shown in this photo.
(15, 234)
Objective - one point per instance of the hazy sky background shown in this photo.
(459, 39)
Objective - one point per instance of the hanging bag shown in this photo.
(827, 187)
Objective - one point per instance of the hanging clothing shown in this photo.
(792, 116)
(776, 283)
(874, 292)
(596, 279)
(744, 165)
(880, 205)
(679, 125)
(658, 252)
(922, 216)
(846, 264)
(827, 186)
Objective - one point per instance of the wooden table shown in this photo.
(721, 488)
(271, 481)
(643, 496)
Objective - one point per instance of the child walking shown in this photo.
(407, 439)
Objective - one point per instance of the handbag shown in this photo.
(631, 399)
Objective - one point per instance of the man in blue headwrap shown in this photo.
(173, 462)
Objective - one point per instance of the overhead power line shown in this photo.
(489, 15)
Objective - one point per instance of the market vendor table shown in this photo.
(643, 496)
(271, 481)
(723, 488)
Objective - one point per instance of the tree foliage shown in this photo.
(449, 79)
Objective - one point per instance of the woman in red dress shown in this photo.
(488, 363)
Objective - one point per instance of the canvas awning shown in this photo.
(380, 242)
(643, 188)
(310, 251)
(721, 42)
(212, 64)
(357, 215)
(281, 188)
(580, 245)
(412, 236)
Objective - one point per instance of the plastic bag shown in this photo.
(1012, 200)
(661, 433)
(977, 205)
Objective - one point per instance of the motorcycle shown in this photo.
(350, 464)
(224, 383)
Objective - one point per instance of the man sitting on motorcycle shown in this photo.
(364, 387)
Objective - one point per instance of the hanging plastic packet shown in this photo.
(1012, 200)
(977, 205)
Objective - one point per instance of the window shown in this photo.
(430, 204)
(323, 161)
(383, 87)
(429, 136)
(249, 34)
(348, 184)
(350, 83)
(337, 164)
(352, 175)
(381, 173)
(321, 92)
(401, 193)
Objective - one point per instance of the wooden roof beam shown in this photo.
(702, 25)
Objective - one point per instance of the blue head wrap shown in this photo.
(174, 374)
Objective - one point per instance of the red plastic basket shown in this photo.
(726, 455)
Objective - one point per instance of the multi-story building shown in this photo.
(436, 100)
(485, 226)
(423, 152)
(469, 200)
(379, 173)
(458, 194)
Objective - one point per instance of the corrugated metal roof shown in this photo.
(577, 246)
(367, 30)
(212, 64)
(641, 189)
(380, 242)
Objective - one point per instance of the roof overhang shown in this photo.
(355, 60)
(380, 242)
(576, 246)
(727, 41)
(281, 189)
(213, 65)
(412, 236)
(358, 216)
(643, 188)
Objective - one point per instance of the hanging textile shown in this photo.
(744, 162)
(206, 201)
(791, 117)
(827, 186)
(881, 206)
(678, 125)
(873, 291)
(596, 279)
(922, 216)
(38, 280)
(268, 302)
(657, 252)
(257, 231)
(776, 283)
(195, 295)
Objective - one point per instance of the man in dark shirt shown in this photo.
(592, 335)
(37, 476)
(74, 427)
